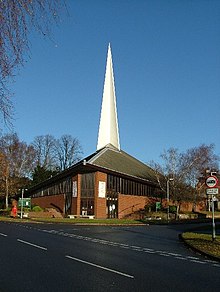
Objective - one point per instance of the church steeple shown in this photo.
(108, 127)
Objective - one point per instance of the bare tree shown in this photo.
(68, 151)
(44, 146)
(196, 160)
(185, 169)
(170, 169)
(16, 164)
(17, 18)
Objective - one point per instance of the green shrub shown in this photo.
(173, 209)
(37, 209)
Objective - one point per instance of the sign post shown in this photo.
(211, 183)
(22, 198)
(23, 202)
(213, 219)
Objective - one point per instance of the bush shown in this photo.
(173, 209)
(5, 212)
(37, 209)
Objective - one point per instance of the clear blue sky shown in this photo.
(166, 56)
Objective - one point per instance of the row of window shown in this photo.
(115, 184)
(128, 187)
(88, 185)
(61, 187)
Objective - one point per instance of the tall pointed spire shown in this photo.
(108, 127)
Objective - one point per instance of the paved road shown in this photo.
(56, 257)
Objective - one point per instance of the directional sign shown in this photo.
(25, 202)
(211, 181)
(158, 205)
(212, 191)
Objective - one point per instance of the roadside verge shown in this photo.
(202, 244)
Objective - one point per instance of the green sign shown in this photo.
(25, 202)
(158, 205)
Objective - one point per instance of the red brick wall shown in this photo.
(128, 204)
(56, 202)
(74, 206)
(100, 203)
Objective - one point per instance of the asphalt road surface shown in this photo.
(56, 257)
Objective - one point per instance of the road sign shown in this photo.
(212, 191)
(158, 205)
(25, 202)
(211, 181)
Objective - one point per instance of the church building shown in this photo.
(109, 183)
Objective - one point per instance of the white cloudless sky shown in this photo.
(166, 57)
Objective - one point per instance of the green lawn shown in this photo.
(203, 243)
(76, 221)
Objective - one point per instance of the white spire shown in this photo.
(108, 127)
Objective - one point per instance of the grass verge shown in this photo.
(203, 243)
(77, 221)
(90, 221)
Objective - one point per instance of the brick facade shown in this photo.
(56, 202)
(100, 203)
(128, 204)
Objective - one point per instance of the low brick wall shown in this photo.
(40, 215)
(56, 202)
(128, 205)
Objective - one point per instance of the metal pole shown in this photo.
(213, 219)
(168, 199)
(22, 197)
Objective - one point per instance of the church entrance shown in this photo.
(112, 205)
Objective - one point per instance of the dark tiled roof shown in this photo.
(110, 159)
(119, 161)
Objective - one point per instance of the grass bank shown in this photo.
(76, 221)
(203, 243)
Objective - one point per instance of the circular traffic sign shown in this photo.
(211, 181)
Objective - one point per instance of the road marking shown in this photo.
(124, 246)
(2, 234)
(181, 258)
(100, 267)
(211, 261)
(164, 255)
(192, 258)
(197, 261)
(34, 245)
(134, 248)
(174, 254)
(147, 249)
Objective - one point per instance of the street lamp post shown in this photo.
(22, 201)
(168, 198)
(22, 197)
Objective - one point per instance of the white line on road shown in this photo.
(100, 267)
(181, 258)
(164, 254)
(2, 234)
(132, 247)
(31, 244)
(192, 258)
(199, 262)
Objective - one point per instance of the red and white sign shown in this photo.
(211, 181)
